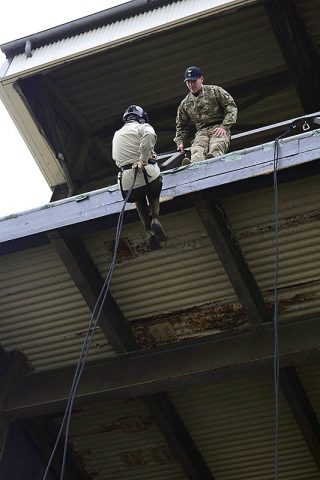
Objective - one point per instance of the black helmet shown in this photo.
(134, 112)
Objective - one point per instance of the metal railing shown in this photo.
(306, 122)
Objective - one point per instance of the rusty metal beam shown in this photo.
(253, 303)
(87, 278)
(231, 257)
(177, 435)
(141, 373)
(89, 281)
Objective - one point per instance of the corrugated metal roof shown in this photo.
(121, 440)
(310, 378)
(246, 51)
(178, 292)
(42, 313)
(252, 220)
(146, 22)
(181, 278)
(310, 14)
(148, 66)
(233, 426)
(181, 291)
(188, 272)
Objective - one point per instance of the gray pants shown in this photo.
(207, 145)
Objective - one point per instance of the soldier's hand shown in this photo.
(139, 164)
(180, 147)
(219, 132)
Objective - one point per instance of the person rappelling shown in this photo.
(133, 148)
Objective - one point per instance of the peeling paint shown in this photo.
(166, 198)
(132, 424)
(284, 223)
(127, 250)
(80, 198)
(267, 171)
(162, 455)
(10, 217)
(298, 299)
(133, 458)
(47, 205)
(163, 332)
(267, 146)
(181, 324)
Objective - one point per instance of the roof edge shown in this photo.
(81, 25)
(231, 168)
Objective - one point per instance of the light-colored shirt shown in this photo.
(135, 141)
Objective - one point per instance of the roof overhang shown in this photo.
(83, 210)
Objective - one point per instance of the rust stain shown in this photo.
(132, 458)
(298, 299)
(132, 424)
(162, 455)
(159, 454)
(163, 332)
(284, 223)
(126, 249)
(80, 458)
(131, 248)
(180, 324)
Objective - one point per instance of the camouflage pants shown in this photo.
(207, 145)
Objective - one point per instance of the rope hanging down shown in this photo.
(65, 424)
(276, 363)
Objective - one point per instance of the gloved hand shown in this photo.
(140, 164)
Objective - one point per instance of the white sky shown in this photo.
(22, 185)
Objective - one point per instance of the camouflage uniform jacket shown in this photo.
(213, 106)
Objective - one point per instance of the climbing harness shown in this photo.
(129, 167)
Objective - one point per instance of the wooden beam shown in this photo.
(76, 121)
(67, 109)
(219, 356)
(298, 50)
(87, 278)
(232, 260)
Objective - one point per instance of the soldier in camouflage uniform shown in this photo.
(212, 110)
